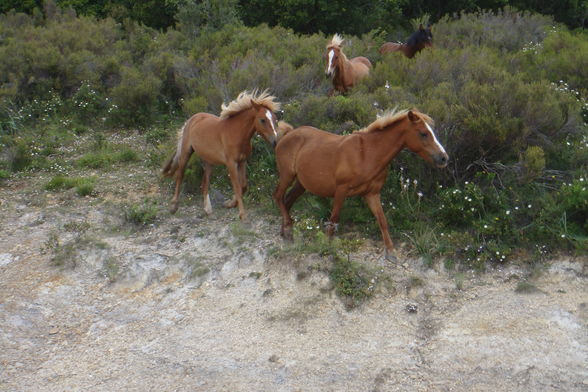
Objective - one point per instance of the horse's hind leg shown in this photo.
(338, 201)
(293, 194)
(285, 203)
(207, 170)
(183, 161)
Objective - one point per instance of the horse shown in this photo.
(343, 72)
(283, 129)
(224, 140)
(416, 42)
(339, 166)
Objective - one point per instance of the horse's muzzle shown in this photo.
(441, 160)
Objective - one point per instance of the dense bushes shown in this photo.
(304, 16)
(507, 91)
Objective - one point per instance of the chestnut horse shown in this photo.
(338, 166)
(224, 140)
(344, 73)
(416, 42)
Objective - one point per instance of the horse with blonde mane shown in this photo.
(224, 140)
(420, 39)
(343, 72)
(340, 166)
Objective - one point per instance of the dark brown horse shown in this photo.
(343, 72)
(338, 166)
(224, 140)
(419, 40)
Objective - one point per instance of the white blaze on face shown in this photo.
(269, 116)
(330, 66)
(435, 138)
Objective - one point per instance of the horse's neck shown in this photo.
(386, 143)
(244, 124)
(343, 70)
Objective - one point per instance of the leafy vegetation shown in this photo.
(507, 90)
(303, 16)
(142, 214)
(83, 186)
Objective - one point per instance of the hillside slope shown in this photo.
(188, 303)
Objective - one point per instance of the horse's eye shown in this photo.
(262, 120)
(424, 135)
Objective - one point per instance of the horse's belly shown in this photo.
(210, 156)
(318, 183)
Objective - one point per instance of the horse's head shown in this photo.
(333, 54)
(421, 38)
(426, 36)
(265, 123)
(421, 139)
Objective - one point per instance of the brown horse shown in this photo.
(338, 166)
(416, 42)
(344, 73)
(224, 140)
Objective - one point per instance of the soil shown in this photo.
(91, 302)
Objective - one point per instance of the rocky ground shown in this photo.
(90, 302)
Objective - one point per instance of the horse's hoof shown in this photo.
(390, 257)
(287, 235)
(230, 204)
(173, 208)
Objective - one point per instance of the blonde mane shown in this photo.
(245, 100)
(337, 41)
(393, 116)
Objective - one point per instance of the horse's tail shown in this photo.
(170, 167)
(283, 129)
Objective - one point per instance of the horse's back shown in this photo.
(205, 137)
(305, 140)
(390, 47)
(362, 66)
(202, 121)
(362, 60)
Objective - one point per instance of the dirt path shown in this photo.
(191, 304)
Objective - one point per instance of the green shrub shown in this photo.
(94, 160)
(142, 214)
(134, 98)
(352, 281)
(84, 186)
(125, 155)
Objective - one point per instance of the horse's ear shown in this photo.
(412, 117)
(421, 28)
(429, 27)
(253, 104)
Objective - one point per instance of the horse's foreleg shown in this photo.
(207, 167)
(283, 184)
(234, 168)
(375, 205)
(242, 170)
(183, 161)
(333, 221)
